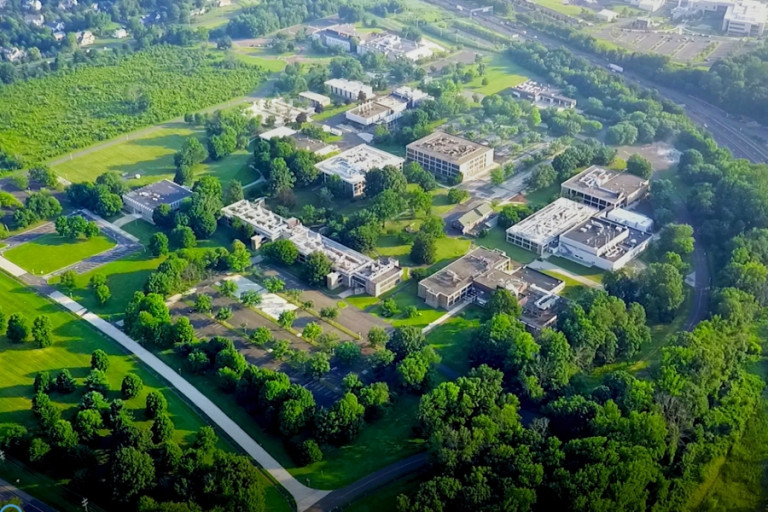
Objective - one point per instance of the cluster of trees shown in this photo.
(285, 166)
(104, 197)
(183, 80)
(121, 464)
(257, 20)
(228, 130)
(37, 206)
(76, 225)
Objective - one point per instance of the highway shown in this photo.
(729, 133)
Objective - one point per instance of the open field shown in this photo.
(151, 157)
(501, 73)
(452, 339)
(560, 6)
(592, 273)
(496, 239)
(52, 252)
(259, 57)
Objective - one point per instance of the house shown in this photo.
(12, 54)
(473, 218)
(36, 20)
(143, 201)
(411, 95)
(85, 38)
(33, 5)
(58, 35)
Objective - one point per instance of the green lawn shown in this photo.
(74, 341)
(329, 112)
(151, 157)
(260, 57)
(52, 252)
(572, 287)
(404, 295)
(592, 273)
(141, 229)
(452, 339)
(501, 73)
(496, 239)
(448, 248)
(560, 6)
(544, 196)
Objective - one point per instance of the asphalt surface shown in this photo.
(729, 133)
(28, 503)
(336, 499)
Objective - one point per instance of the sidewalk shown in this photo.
(545, 265)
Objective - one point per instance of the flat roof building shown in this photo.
(282, 111)
(449, 156)
(352, 165)
(314, 99)
(144, 200)
(280, 131)
(395, 47)
(602, 243)
(349, 267)
(349, 89)
(607, 15)
(540, 93)
(384, 110)
(342, 36)
(539, 232)
(411, 95)
(475, 276)
(746, 18)
(603, 188)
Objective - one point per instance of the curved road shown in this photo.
(341, 497)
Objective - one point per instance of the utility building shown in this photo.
(448, 156)
(603, 188)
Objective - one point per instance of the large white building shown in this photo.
(282, 111)
(602, 243)
(539, 233)
(349, 89)
(352, 166)
(350, 268)
(338, 36)
(395, 47)
(449, 156)
(746, 18)
(384, 110)
(604, 188)
(411, 95)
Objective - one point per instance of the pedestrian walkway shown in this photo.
(11, 268)
(126, 219)
(446, 316)
(28, 503)
(545, 265)
(304, 496)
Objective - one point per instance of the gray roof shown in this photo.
(476, 214)
(161, 192)
(463, 271)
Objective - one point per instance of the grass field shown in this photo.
(151, 157)
(592, 273)
(496, 239)
(501, 73)
(52, 252)
(543, 196)
(404, 295)
(452, 339)
(260, 57)
(448, 248)
(74, 341)
(560, 6)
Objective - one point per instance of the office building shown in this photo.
(350, 268)
(349, 89)
(539, 233)
(540, 93)
(602, 243)
(143, 201)
(338, 36)
(384, 110)
(450, 157)
(352, 165)
(314, 99)
(746, 18)
(395, 47)
(603, 188)
(411, 95)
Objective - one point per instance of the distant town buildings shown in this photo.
(540, 93)
(143, 201)
(450, 156)
(411, 95)
(741, 18)
(36, 19)
(395, 47)
(603, 188)
(349, 89)
(12, 54)
(607, 15)
(120, 33)
(352, 165)
(351, 269)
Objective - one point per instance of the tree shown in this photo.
(281, 251)
(310, 452)
(205, 439)
(387, 178)
(228, 288)
(316, 268)
(677, 238)
(103, 294)
(43, 383)
(183, 237)
(311, 331)
(131, 386)
(203, 303)
(433, 226)
(162, 429)
(319, 364)
(156, 404)
(330, 313)
(661, 290)
(420, 200)
(424, 249)
(62, 436)
(224, 313)
(44, 176)
(64, 382)
(502, 301)
(87, 424)
(639, 166)
(274, 284)
(286, 318)
(239, 257)
(280, 177)
(389, 308)
(38, 449)
(131, 474)
(405, 341)
(42, 331)
(68, 279)
(377, 336)
(97, 381)
(233, 193)
(99, 360)
(341, 423)
(497, 176)
(18, 330)
(457, 195)
(542, 176)
(374, 398)
(163, 216)
(158, 244)
(348, 352)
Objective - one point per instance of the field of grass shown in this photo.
(560, 6)
(331, 111)
(496, 239)
(543, 196)
(151, 157)
(404, 295)
(592, 273)
(448, 248)
(52, 252)
(452, 339)
(216, 16)
(501, 73)
(260, 57)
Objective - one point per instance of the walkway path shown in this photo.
(303, 495)
(446, 316)
(336, 499)
(545, 265)
(28, 503)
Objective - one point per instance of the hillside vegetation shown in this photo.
(45, 117)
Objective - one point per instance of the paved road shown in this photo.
(28, 503)
(336, 499)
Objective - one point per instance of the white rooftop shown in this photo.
(353, 164)
(280, 131)
(410, 93)
(352, 86)
(552, 220)
(747, 11)
(320, 98)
